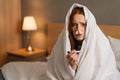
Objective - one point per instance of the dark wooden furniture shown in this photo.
(23, 55)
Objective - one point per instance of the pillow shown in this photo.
(24, 71)
(115, 44)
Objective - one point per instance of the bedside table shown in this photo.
(23, 55)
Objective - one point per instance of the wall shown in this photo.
(10, 34)
(105, 11)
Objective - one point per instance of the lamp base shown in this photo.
(29, 48)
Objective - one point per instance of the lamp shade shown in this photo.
(29, 23)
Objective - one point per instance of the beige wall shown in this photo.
(10, 33)
(105, 11)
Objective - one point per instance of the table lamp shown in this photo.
(29, 25)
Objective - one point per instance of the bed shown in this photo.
(36, 70)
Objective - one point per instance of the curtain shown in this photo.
(10, 27)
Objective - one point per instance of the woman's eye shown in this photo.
(77, 25)
(83, 24)
(74, 24)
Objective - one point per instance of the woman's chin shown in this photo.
(79, 38)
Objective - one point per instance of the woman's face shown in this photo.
(79, 26)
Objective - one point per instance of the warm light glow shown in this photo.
(29, 48)
(29, 23)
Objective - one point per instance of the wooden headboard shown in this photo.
(54, 30)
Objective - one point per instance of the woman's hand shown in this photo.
(72, 58)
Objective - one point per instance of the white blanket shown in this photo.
(98, 61)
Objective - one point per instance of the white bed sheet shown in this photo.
(24, 71)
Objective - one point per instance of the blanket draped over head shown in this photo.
(97, 61)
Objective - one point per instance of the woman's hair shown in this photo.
(76, 10)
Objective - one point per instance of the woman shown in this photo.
(82, 51)
(77, 27)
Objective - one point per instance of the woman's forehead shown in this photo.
(79, 18)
